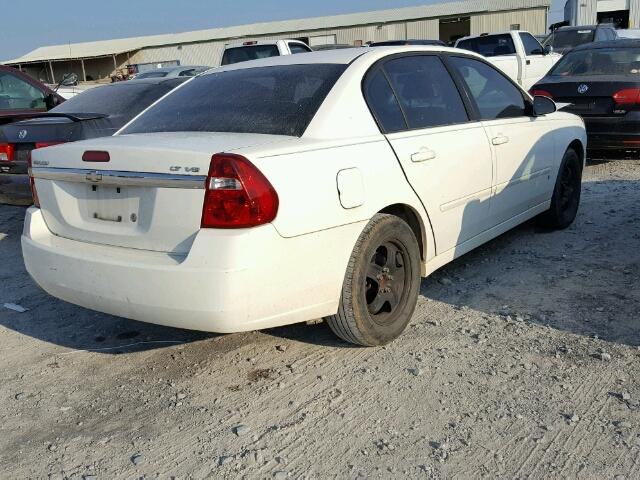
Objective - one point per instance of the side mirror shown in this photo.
(543, 106)
(69, 80)
(51, 101)
(548, 49)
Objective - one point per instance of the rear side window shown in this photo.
(426, 91)
(126, 99)
(383, 103)
(490, 46)
(531, 45)
(495, 96)
(297, 48)
(278, 100)
(244, 54)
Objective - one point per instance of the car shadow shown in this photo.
(582, 280)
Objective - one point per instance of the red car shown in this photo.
(20, 97)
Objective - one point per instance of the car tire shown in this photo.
(566, 194)
(381, 285)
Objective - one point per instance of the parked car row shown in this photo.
(186, 193)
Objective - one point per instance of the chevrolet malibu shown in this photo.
(294, 188)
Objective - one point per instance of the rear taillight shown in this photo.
(95, 156)
(540, 93)
(32, 184)
(47, 144)
(628, 96)
(7, 151)
(237, 194)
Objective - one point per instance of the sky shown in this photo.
(29, 24)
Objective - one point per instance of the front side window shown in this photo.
(490, 46)
(383, 103)
(278, 100)
(495, 96)
(530, 44)
(18, 94)
(426, 92)
(599, 61)
(246, 53)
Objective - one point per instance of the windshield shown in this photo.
(564, 39)
(278, 100)
(489, 46)
(601, 61)
(124, 98)
(243, 54)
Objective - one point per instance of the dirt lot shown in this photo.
(522, 362)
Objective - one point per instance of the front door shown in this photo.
(523, 145)
(536, 63)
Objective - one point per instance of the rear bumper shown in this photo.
(16, 167)
(230, 281)
(613, 133)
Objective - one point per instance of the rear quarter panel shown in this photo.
(306, 180)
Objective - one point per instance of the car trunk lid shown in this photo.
(148, 196)
(587, 95)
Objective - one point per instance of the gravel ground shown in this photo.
(521, 362)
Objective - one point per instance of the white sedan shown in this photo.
(294, 188)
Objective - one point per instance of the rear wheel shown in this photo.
(381, 284)
(566, 194)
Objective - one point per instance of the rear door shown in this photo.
(445, 155)
(524, 146)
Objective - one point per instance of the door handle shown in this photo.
(423, 155)
(528, 62)
(500, 140)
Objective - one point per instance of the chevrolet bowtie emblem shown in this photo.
(94, 177)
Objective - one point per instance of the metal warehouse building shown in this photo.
(622, 13)
(444, 21)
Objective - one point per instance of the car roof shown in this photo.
(343, 56)
(568, 28)
(173, 69)
(620, 43)
(145, 81)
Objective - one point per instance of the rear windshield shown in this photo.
(243, 54)
(570, 38)
(600, 61)
(489, 46)
(278, 100)
(126, 99)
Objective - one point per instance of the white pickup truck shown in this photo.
(242, 52)
(517, 53)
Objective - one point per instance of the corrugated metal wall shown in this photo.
(634, 14)
(534, 21)
(586, 12)
(210, 53)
